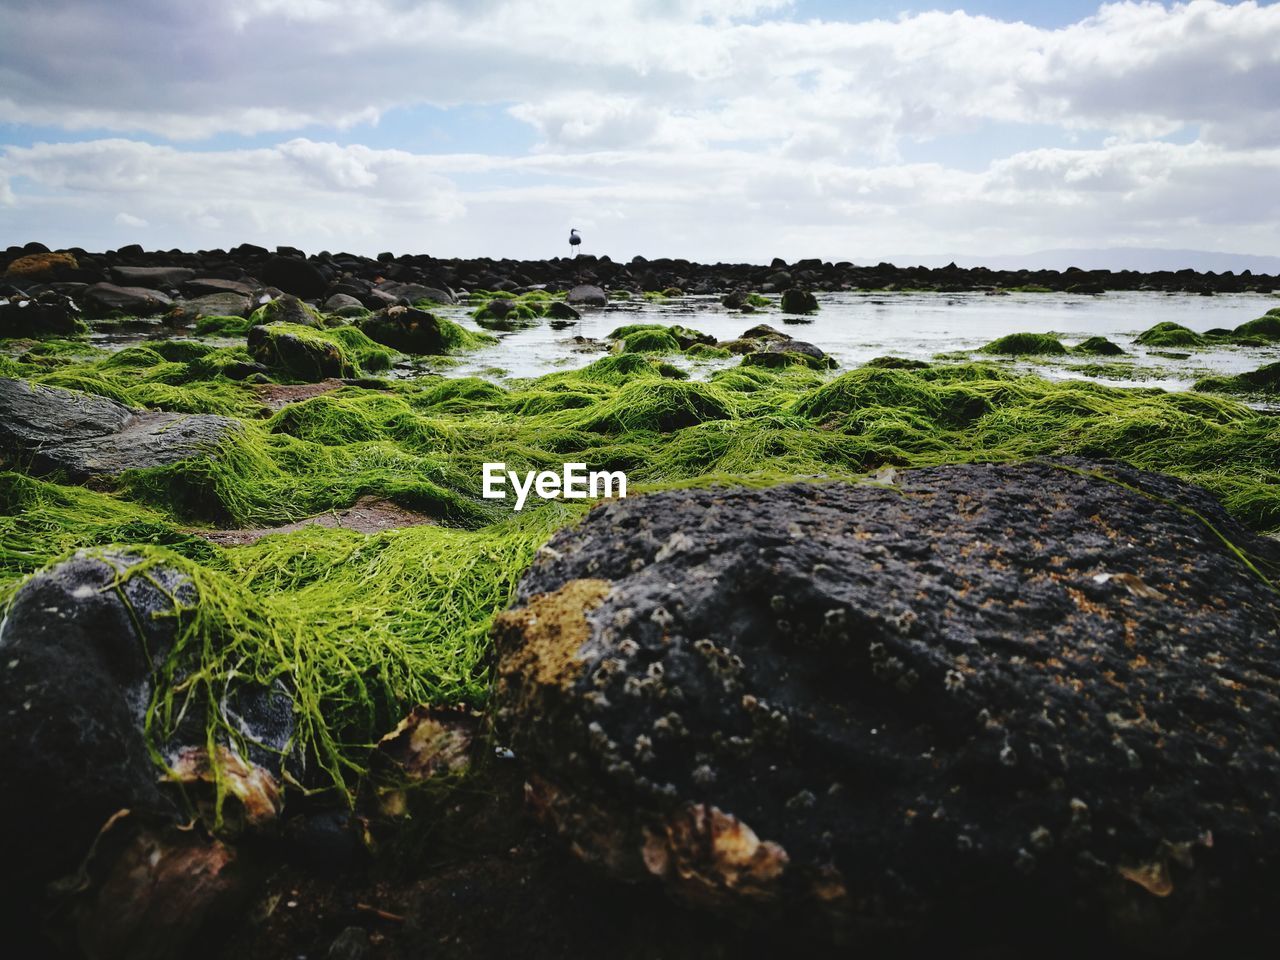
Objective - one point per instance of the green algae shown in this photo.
(648, 341)
(223, 326)
(1170, 334)
(365, 626)
(1025, 344)
(1098, 347)
(305, 353)
(1266, 327)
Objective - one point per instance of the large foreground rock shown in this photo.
(1011, 703)
(45, 429)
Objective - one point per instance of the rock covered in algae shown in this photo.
(1033, 700)
(53, 429)
(81, 647)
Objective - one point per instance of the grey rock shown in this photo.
(151, 439)
(32, 416)
(204, 286)
(155, 278)
(344, 305)
(103, 299)
(50, 429)
(1033, 702)
(587, 295)
(414, 292)
(212, 305)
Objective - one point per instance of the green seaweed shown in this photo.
(1025, 344)
(1170, 334)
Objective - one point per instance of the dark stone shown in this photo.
(587, 295)
(155, 278)
(796, 346)
(345, 305)
(415, 292)
(78, 649)
(47, 314)
(559, 310)
(204, 286)
(406, 329)
(762, 331)
(298, 277)
(50, 429)
(798, 301)
(1032, 703)
(106, 299)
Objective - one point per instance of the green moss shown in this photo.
(1025, 344)
(701, 351)
(1097, 346)
(1169, 334)
(309, 354)
(223, 326)
(1266, 327)
(649, 341)
(286, 309)
(785, 358)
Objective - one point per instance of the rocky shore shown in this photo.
(145, 282)
(893, 659)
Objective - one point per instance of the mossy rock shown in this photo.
(286, 308)
(1170, 334)
(778, 359)
(1098, 346)
(410, 330)
(1025, 344)
(1267, 326)
(312, 355)
(662, 406)
(501, 313)
(798, 301)
(223, 326)
(40, 266)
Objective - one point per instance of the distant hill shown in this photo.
(1146, 259)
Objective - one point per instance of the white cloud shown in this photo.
(708, 128)
(707, 203)
(129, 220)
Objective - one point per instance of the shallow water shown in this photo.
(855, 327)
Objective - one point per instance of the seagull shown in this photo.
(574, 240)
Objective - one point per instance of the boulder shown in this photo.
(80, 645)
(410, 330)
(588, 295)
(212, 305)
(107, 299)
(415, 292)
(204, 286)
(48, 314)
(50, 429)
(155, 278)
(559, 310)
(298, 277)
(1021, 704)
(345, 305)
(798, 301)
(39, 266)
(287, 308)
(285, 347)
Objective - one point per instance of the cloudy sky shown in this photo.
(708, 129)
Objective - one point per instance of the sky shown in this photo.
(715, 130)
